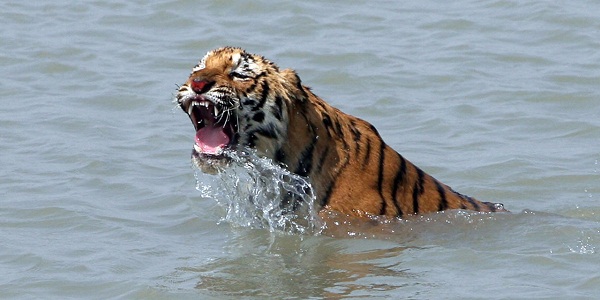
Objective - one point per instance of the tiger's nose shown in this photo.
(198, 84)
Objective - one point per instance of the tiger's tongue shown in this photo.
(211, 139)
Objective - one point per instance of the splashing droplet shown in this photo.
(257, 193)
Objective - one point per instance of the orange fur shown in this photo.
(350, 167)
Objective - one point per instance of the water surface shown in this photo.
(498, 99)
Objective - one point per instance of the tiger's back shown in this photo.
(355, 172)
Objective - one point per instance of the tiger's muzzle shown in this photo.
(216, 127)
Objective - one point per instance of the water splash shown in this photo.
(584, 245)
(257, 193)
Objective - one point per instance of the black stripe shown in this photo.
(278, 108)
(474, 203)
(324, 107)
(443, 201)
(344, 164)
(327, 123)
(329, 189)
(245, 57)
(374, 129)
(268, 131)
(263, 96)
(239, 75)
(357, 135)
(248, 102)
(346, 147)
(252, 87)
(338, 128)
(299, 86)
(304, 165)
(367, 154)
(322, 158)
(260, 75)
(355, 131)
(259, 116)
(279, 156)
(468, 199)
(325, 200)
(380, 177)
(383, 207)
(418, 189)
(397, 180)
(251, 140)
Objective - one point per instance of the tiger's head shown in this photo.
(237, 100)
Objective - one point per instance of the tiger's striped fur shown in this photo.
(350, 167)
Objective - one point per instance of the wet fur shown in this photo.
(350, 167)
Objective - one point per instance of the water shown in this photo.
(498, 99)
(258, 193)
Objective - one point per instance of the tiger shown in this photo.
(238, 100)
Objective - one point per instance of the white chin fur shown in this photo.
(199, 150)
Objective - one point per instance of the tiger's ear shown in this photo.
(293, 83)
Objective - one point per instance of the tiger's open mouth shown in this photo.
(215, 127)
